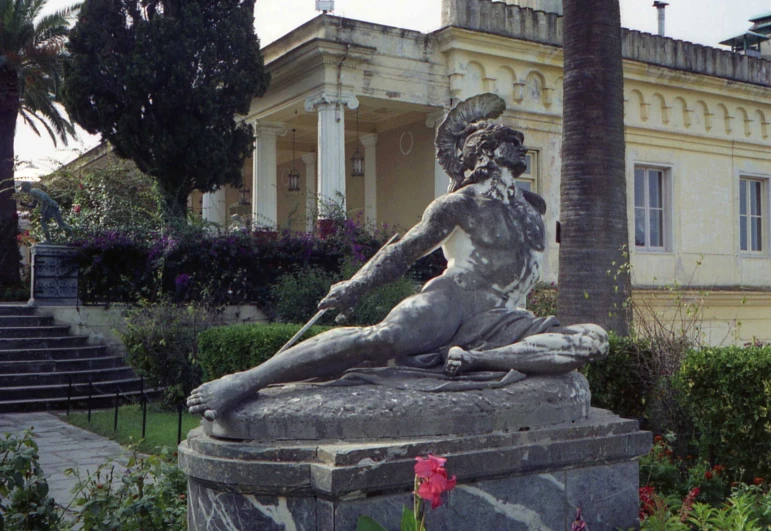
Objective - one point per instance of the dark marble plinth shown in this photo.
(518, 480)
(54, 276)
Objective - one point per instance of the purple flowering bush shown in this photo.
(192, 264)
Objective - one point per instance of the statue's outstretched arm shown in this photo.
(439, 221)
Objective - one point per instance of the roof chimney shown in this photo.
(660, 8)
(325, 6)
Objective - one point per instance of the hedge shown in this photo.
(727, 393)
(228, 349)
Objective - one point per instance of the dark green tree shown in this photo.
(163, 81)
(594, 283)
(31, 50)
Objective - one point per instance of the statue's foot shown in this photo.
(214, 398)
(458, 362)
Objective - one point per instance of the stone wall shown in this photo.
(538, 26)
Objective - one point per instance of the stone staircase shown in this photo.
(43, 367)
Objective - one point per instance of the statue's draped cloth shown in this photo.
(484, 331)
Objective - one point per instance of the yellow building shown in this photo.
(697, 144)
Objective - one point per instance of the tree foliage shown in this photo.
(162, 81)
(31, 51)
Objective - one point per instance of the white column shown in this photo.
(370, 178)
(215, 207)
(331, 145)
(264, 180)
(441, 179)
(310, 190)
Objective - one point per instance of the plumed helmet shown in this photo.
(466, 118)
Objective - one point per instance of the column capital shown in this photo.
(324, 97)
(368, 140)
(435, 118)
(262, 129)
(309, 158)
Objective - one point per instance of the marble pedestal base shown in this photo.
(54, 276)
(528, 477)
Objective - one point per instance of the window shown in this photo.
(751, 214)
(529, 177)
(651, 208)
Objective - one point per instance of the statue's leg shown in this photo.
(44, 219)
(62, 225)
(556, 352)
(420, 323)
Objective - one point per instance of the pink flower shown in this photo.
(433, 481)
(76, 209)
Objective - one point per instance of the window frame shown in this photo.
(765, 218)
(667, 210)
(531, 177)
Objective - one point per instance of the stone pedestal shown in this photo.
(54, 276)
(308, 458)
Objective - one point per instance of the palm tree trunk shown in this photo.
(9, 248)
(594, 283)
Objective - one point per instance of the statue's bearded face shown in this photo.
(495, 144)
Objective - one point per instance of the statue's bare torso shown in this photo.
(496, 246)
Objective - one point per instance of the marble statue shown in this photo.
(470, 318)
(49, 208)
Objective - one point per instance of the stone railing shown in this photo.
(531, 25)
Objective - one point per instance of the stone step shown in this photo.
(17, 332)
(53, 354)
(25, 320)
(25, 366)
(77, 402)
(33, 380)
(16, 309)
(58, 391)
(42, 342)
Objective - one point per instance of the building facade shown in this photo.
(697, 144)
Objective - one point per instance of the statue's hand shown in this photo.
(343, 296)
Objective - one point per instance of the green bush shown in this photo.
(617, 383)
(151, 494)
(162, 345)
(296, 295)
(727, 392)
(228, 349)
(24, 501)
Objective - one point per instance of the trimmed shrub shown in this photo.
(162, 345)
(228, 349)
(727, 392)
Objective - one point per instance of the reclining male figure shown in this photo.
(492, 234)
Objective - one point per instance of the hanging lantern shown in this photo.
(294, 176)
(357, 160)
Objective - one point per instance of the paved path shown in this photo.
(62, 446)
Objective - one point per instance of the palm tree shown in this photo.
(594, 283)
(31, 50)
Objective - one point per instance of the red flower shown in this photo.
(685, 510)
(647, 504)
(718, 469)
(759, 481)
(708, 474)
(76, 209)
(658, 438)
(433, 479)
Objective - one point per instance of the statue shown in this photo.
(469, 318)
(49, 209)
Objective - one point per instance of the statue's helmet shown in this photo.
(467, 133)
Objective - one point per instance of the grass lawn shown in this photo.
(161, 425)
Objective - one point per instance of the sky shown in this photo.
(700, 21)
